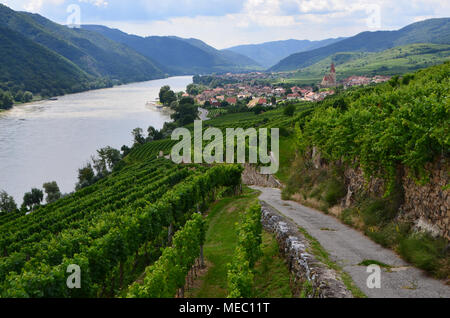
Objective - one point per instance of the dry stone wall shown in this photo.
(323, 281)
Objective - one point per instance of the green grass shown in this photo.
(272, 275)
(369, 262)
(427, 253)
(323, 256)
(278, 284)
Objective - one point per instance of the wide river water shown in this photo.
(50, 140)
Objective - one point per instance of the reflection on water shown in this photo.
(50, 140)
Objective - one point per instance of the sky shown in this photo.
(226, 23)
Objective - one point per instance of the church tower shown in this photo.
(333, 74)
(330, 80)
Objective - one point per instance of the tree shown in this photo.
(153, 134)
(7, 203)
(273, 100)
(27, 97)
(162, 91)
(32, 199)
(166, 95)
(289, 110)
(107, 159)
(186, 112)
(138, 136)
(86, 176)
(18, 97)
(6, 100)
(193, 89)
(125, 150)
(169, 97)
(52, 191)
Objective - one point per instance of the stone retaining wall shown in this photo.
(427, 205)
(324, 282)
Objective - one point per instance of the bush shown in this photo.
(424, 251)
(334, 191)
(289, 110)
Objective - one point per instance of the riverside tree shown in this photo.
(167, 96)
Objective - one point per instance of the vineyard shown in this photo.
(112, 230)
(403, 122)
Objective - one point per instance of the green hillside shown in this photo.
(391, 62)
(32, 67)
(93, 53)
(435, 31)
(178, 56)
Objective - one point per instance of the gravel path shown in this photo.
(348, 248)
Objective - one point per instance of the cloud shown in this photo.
(97, 3)
(225, 23)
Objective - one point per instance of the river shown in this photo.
(50, 140)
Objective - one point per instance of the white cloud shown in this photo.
(97, 3)
(36, 5)
(225, 23)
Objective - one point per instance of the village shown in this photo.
(248, 88)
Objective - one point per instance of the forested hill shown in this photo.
(180, 56)
(434, 31)
(34, 67)
(93, 53)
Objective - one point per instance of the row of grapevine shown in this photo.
(126, 233)
(168, 274)
(248, 251)
(404, 122)
(68, 241)
(151, 150)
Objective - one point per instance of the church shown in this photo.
(330, 79)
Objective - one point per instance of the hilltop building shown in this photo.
(330, 79)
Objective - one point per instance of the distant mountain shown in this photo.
(269, 53)
(92, 52)
(434, 31)
(178, 56)
(30, 66)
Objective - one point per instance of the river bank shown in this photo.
(50, 140)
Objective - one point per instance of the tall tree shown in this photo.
(7, 203)
(52, 191)
(138, 136)
(86, 176)
(107, 159)
(32, 199)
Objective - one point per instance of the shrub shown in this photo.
(424, 251)
(334, 191)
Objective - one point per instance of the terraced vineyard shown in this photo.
(151, 150)
(112, 230)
